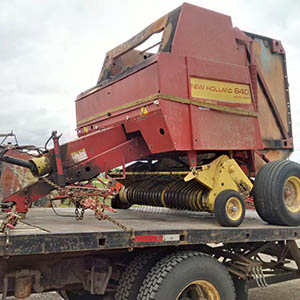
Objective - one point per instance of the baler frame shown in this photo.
(175, 103)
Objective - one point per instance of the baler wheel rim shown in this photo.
(229, 208)
(234, 208)
(292, 194)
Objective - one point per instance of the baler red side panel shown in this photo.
(205, 34)
(178, 122)
(90, 145)
(213, 130)
(218, 71)
(135, 86)
(154, 129)
(118, 155)
(173, 81)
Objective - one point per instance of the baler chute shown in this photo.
(198, 119)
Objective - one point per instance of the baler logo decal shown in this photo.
(220, 91)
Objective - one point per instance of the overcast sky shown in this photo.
(51, 50)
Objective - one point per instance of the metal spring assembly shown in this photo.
(171, 193)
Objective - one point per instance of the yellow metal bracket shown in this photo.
(221, 174)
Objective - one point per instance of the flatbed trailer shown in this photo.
(78, 259)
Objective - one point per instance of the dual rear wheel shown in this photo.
(186, 275)
(79, 295)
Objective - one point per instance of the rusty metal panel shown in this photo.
(115, 58)
(273, 99)
(111, 60)
(269, 128)
(15, 178)
(272, 66)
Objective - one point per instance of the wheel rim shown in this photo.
(199, 289)
(234, 208)
(291, 194)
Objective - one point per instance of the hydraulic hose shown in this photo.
(20, 162)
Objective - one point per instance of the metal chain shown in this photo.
(9, 221)
(77, 213)
(120, 225)
(113, 221)
(80, 216)
(57, 187)
(82, 213)
(70, 188)
(7, 242)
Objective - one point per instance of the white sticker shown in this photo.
(79, 155)
(171, 237)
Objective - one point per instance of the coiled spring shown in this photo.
(171, 192)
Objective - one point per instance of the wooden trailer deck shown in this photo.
(43, 232)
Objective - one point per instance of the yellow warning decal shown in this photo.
(220, 91)
(144, 111)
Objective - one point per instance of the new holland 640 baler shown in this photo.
(199, 121)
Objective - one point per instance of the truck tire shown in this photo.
(78, 295)
(134, 274)
(229, 208)
(241, 287)
(276, 193)
(187, 275)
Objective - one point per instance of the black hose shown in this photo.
(19, 162)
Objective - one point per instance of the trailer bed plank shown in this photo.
(138, 219)
(43, 232)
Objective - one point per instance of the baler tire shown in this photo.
(181, 273)
(276, 193)
(134, 274)
(222, 210)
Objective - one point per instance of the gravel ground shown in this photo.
(286, 290)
